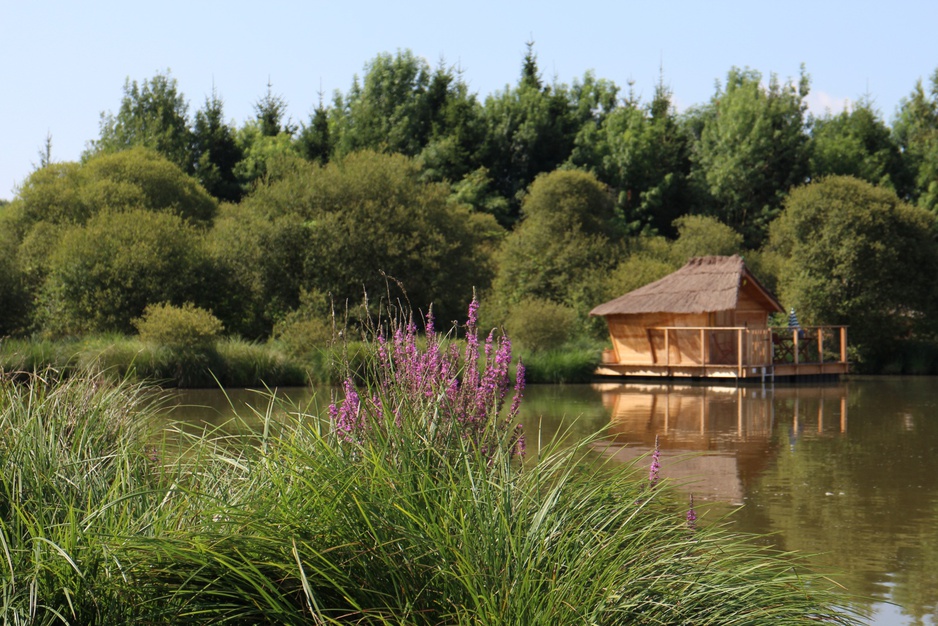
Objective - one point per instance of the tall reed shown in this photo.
(75, 474)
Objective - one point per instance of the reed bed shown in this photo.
(414, 498)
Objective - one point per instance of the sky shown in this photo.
(63, 63)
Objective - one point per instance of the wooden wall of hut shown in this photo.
(634, 343)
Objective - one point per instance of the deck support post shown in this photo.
(794, 342)
(703, 351)
(843, 344)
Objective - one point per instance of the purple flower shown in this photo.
(346, 418)
(518, 445)
(691, 515)
(655, 465)
(456, 393)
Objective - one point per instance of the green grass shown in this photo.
(284, 524)
(569, 364)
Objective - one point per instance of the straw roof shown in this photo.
(704, 285)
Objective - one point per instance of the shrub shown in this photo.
(187, 327)
(538, 324)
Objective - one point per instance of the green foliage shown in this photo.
(701, 235)
(855, 254)
(634, 271)
(316, 141)
(857, 143)
(269, 113)
(569, 364)
(185, 327)
(564, 239)
(752, 150)
(260, 263)
(153, 115)
(642, 153)
(137, 178)
(308, 328)
(13, 293)
(370, 219)
(916, 132)
(539, 325)
(529, 130)
(215, 151)
(104, 274)
(265, 157)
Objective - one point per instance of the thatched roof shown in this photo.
(704, 285)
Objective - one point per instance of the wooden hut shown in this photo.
(708, 319)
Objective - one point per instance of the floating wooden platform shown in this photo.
(734, 353)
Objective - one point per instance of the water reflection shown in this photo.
(846, 472)
(716, 441)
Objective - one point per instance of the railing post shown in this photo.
(820, 345)
(703, 349)
(739, 352)
(794, 343)
(667, 347)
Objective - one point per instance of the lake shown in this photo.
(845, 472)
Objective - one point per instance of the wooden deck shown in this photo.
(735, 353)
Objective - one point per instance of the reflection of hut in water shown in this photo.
(715, 438)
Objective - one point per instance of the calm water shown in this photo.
(847, 472)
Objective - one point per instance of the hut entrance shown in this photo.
(723, 349)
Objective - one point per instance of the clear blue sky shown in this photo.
(63, 63)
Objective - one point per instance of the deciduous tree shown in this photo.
(856, 254)
(752, 149)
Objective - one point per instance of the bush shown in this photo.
(538, 324)
(187, 327)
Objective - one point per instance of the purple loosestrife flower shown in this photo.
(438, 389)
(347, 418)
(655, 465)
(519, 391)
(691, 515)
(519, 446)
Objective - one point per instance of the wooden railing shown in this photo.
(740, 347)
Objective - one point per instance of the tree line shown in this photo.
(545, 198)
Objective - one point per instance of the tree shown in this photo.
(856, 254)
(702, 235)
(315, 142)
(373, 221)
(259, 265)
(103, 274)
(916, 132)
(752, 150)
(857, 143)
(215, 151)
(265, 157)
(402, 106)
(14, 304)
(72, 193)
(269, 112)
(644, 155)
(529, 130)
(561, 246)
(153, 115)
